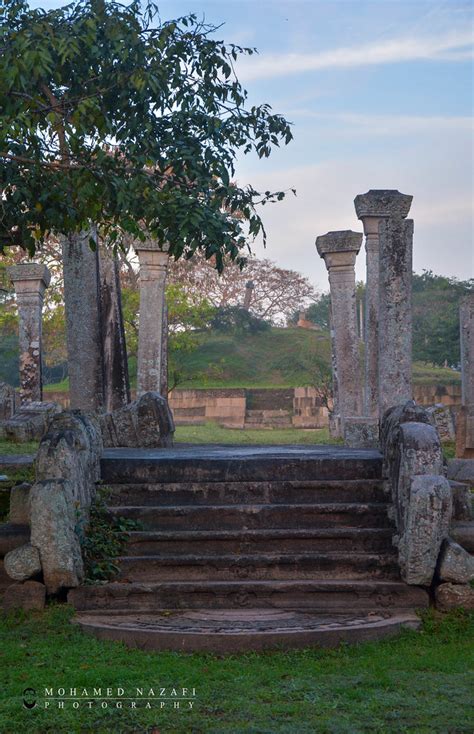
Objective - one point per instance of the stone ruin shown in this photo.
(361, 402)
(24, 416)
(465, 418)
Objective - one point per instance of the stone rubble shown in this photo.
(23, 563)
(146, 423)
(455, 565)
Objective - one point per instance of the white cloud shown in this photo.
(442, 208)
(393, 125)
(451, 46)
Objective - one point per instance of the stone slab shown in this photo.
(238, 630)
(226, 463)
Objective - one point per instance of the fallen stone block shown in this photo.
(463, 533)
(29, 423)
(453, 596)
(23, 563)
(146, 423)
(455, 564)
(29, 596)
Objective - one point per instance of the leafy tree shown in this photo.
(112, 116)
(436, 317)
(237, 320)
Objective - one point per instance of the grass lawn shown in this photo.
(417, 682)
(212, 433)
(8, 447)
(276, 358)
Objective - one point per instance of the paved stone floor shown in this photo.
(219, 451)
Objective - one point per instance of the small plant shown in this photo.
(103, 541)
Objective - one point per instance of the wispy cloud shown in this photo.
(394, 125)
(452, 46)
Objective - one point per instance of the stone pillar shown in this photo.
(30, 281)
(151, 352)
(465, 418)
(370, 208)
(335, 428)
(339, 250)
(395, 312)
(116, 380)
(83, 322)
(164, 355)
(249, 286)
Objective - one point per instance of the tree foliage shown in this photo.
(111, 115)
(436, 317)
(237, 320)
(275, 290)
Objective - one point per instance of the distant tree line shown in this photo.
(435, 316)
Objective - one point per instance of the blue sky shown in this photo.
(380, 94)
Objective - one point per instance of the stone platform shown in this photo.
(233, 631)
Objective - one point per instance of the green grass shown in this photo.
(212, 433)
(416, 682)
(449, 449)
(62, 386)
(275, 358)
(9, 447)
(425, 374)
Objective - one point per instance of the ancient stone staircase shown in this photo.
(248, 548)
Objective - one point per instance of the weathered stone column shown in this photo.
(395, 312)
(164, 355)
(116, 379)
(83, 322)
(465, 417)
(30, 281)
(151, 352)
(370, 208)
(339, 250)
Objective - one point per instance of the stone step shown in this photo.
(227, 493)
(215, 517)
(235, 631)
(239, 463)
(337, 596)
(281, 566)
(218, 542)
